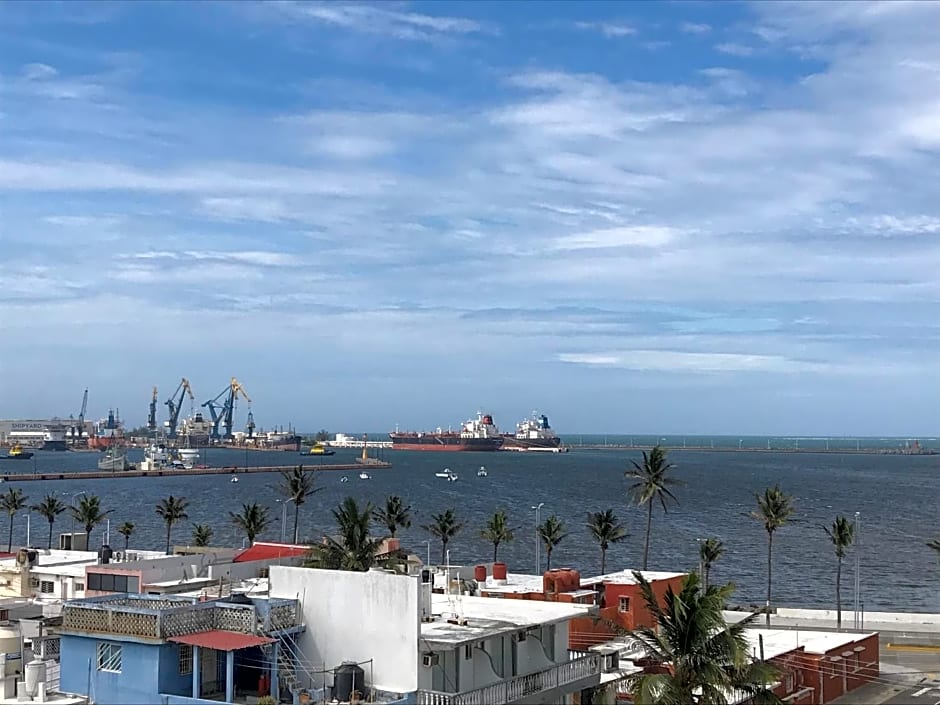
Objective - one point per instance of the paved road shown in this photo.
(921, 694)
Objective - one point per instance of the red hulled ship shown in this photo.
(479, 434)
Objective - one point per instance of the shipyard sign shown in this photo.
(27, 426)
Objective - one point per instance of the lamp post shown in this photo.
(27, 529)
(858, 574)
(284, 504)
(538, 541)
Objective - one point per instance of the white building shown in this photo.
(447, 649)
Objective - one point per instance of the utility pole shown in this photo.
(858, 574)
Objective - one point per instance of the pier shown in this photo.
(751, 449)
(171, 472)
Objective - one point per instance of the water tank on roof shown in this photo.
(104, 554)
(347, 678)
(35, 674)
(479, 573)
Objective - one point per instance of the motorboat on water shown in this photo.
(17, 453)
(234, 479)
(155, 457)
(186, 458)
(320, 449)
(365, 476)
(344, 479)
(482, 471)
(447, 474)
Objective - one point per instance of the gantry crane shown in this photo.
(152, 417)
(223, 412)
(175, 403)
(78, 428)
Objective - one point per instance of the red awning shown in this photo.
(222, 640)
(262, 551)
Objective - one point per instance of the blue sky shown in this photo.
(640, 217)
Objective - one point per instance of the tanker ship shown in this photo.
(533, 434)
(479, 434)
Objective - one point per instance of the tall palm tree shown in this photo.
(126, 530)
(445, 527)
(50, 507)
(702, 657)
(202, 535)
(552, 532)
(774, 509)
(89, 514)
(606, 529)
(709, 551)
(497, 531)
(171, 510)
(652, 483)
(11, 502)
(253, 520)
(842, 535)
(353, 548)
(394, 515)
(297, 484)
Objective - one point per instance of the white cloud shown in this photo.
(39, 72)
(608, 29)
(628, 236)
(695, 28)
(735, 49)
(676, 361)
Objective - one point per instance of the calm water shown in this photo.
(898, 497)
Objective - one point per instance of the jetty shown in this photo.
(370, 464)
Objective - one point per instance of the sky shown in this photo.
(634, 217)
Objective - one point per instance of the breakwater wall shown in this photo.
(711, 449)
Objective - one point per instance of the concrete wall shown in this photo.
(899, 618)
(170, 680)
(357, 617)
(136, 684)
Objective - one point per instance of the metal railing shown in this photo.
(513, 689)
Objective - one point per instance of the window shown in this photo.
(624, 604)
(47, 587)
(109, 657)
(34, 582)
(186, 659)
(79, 587)
(109, 582)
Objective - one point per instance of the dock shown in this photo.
(172, 472)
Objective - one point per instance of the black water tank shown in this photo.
(104, 554)
(347, 678)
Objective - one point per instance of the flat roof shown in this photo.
(781, 641)
(488, 617)
(222, 640)
(625, 577)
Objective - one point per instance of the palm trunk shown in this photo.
(770, 571)
(127, 540)
(296, 519)
(10, 542)
(649, 526)
(548, 558)
(169, 528)
(50, 536)
(839, 593)
(443, 551)
(603, 560)
(495, 551)
(706, 570)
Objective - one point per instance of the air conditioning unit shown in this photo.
(429, 660)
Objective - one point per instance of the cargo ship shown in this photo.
(107, 432)
(534, 435)
(479, 434)
(53, 438)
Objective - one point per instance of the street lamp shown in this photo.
(538, 542)
(284, 503)
(858, 574)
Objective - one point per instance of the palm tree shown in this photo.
(50, 507)
(253, 520)
(842, 535)
(171, 510)
(701, 657)
(202, 534)
(445, 527)
(297, 484)
(709, 551)
(89, 514)
(774, 508)
(393, 515)
(12, 502)
(497, 531)
(354, 548)
(606, 529)
(552, 532)
(125, 530)
(652, 483)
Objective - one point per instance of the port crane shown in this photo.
(78, 429)
(222, 413)
(152, 416)
(175, 403)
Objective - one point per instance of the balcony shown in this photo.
(514, 689)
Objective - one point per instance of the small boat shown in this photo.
(17, 453)
(115, 459)
(444, 474)
(482, 471)
(365, 476)
(452, 477)
(234, 479)
(344, 479)
(320, 449)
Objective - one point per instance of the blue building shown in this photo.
(143, 650)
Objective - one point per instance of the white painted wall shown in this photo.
(356, 617)
(875, 617)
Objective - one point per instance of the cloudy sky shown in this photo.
(645, 217)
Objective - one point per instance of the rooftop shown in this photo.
(527, 583)
(625, 577)
(487, 617)
(781, 641)
(262, 551)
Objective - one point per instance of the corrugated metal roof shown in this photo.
(222, 640)
(262, 551)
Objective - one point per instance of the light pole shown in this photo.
(538, 541)
(284, 504)
(27, 529)
(858, 574)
